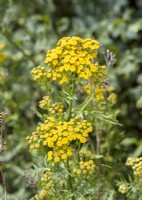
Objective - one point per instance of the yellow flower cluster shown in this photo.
(56, 136)
(85, 154)
(87, 88)
(56, 108)
(45, 102)
(43, 194)
(85, 167)
(40, 74)
(112, 97)
(131, 161)
(136, 164)
(71, 55)
(46, 177)
(3, 57)
(98, 92)
(46, 183)
(123, 188)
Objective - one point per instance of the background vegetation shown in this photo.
(28, 30)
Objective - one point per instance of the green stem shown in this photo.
(98, 140)
(85, 103)
(71, 100)
(79, 144)
(69, 178)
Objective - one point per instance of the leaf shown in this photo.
(111, 195)
(139, 103)
(104, 117)
(129, 141)
(138, 151)
(135, 27)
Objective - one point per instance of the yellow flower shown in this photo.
(81, 163)
(69, 153)
(50, 144)
(57, 159)
(32, 146)
(84, 171)
(54, 138)
(91, 162)
(49, 158)
(85, 134)
(59, 143)
(50, 153)
(64, 156)
(86, 163)
(82, 166)
(35, 138)
(88, 167)
(78, 171)
(83, 140)
(65, 141)
(44, 143)
(37, 145)
(123, 188)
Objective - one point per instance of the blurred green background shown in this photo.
(27, 30)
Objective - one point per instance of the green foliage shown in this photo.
(28, 29)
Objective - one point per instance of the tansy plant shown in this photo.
(69, 120)
(132, 188)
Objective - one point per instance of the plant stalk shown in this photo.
(71, 100)
(98, 141)
(70, 179)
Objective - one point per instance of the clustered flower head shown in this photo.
(42, 194)
(45, 103)
(46, 177)
(99, 92)
(40, 74)
(112, 97)
(136, 164)
(72, 55)
(130, 161)
(85, 167)
(46, 184)
(123, 188)
(56, 136)
(85, 154)
(52, 108)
